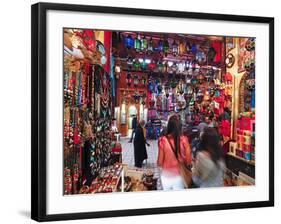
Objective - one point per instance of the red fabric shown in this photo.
(107, 44)
(245, 123)
(224, 128)
(220, 101)
(228, 77)
(217, 47)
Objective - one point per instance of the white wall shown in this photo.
(15, 110)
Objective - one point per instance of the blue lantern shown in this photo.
(129, 42)
(160, 46)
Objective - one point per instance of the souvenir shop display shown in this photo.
(129, 108)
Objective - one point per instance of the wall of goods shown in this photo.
(159, 74)
(179, 73)
(88, 139)
(241, 155)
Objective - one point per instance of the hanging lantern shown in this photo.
(137, 43)
(136, 81)
(137, 65)
(211, 54)
(166, 46)
(182, 48)
(175, 48)
(194, 49)
(160, 66)
(143, 81)
(187, 47)
(128, 79)
(150, 45)
(144, 44)
(181, 67)
(129, 42)
(160, 46)
(174, 67)
(152, 65)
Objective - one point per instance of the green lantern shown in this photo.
(144, 44)
(137, 44)
(166, 46)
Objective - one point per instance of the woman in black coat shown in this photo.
(140, 143)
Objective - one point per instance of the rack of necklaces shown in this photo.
(87, 117)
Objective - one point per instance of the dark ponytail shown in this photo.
(174, 130)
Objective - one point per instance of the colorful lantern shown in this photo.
(144, 44)
(129, 42)
(160, 46)
(129, 79)
(137, 43)
(182, 48)
(150, 45)
(166, 46)
(175, 48)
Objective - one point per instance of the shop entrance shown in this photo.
(132, 111)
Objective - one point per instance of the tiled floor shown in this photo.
(151, 163)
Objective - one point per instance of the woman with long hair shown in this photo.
(208, 167)
(172, 148)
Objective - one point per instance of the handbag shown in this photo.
(183, 169)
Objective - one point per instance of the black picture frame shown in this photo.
(38, 110)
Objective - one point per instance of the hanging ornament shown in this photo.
(160, 66)
(194, 49)
(166, 46)
(137, 65)
(175, 48)
(182, 48)
(128, 79)
(144, 44)
(150, 45)
(211, 54)
(152, 65)
(174, 67)
(129, 42)
(187, 47)
(136, 81)
(137, 43)
(160, 46)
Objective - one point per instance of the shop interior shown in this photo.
(110, 77)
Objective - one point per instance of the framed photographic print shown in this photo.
(139, 111)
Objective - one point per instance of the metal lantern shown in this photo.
(160, 45)
(144, 44)
(128, 79)
(136, 81)
(182, 48)
(150, 45)
(137, 43)
(129, 42)
(175, 48)
(166, 46)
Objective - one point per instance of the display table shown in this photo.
(107, 180)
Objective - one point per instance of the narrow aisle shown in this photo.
(150, 163)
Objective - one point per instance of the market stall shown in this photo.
(112, 77)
